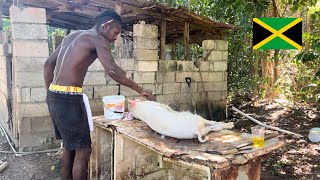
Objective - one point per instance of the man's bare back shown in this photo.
(77, 53)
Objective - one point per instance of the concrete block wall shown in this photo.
(167, 79)
(30, 51)
(31, 120)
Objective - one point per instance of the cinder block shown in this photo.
(101, 91)
(200, 76)
(3, 87)
(3, 63)
(214, 55)
(32, 109)
(219, 86)
(41, 124)
(4, 37)
(186, 107)
(112, 82)
(145, 54)
(209, 44)
(165, 77)
(23, 94)
(95, 78)
(96, 106)
(88, 90)
(145, 30)
(96, 66)
(36, 139)
(225, 76)
(167, 65)
(128, 91)
(25, 48)
(146, 66)
(220, 66)
(126, 64)
(185, 66)
(29, 31)
(181, 76)
(145, 43)
(225, 55)
(27, 15)
(166, 99)
(171, 88)
(144, 77)
(224, 94)
(38, 94)
(28, 64)
(221, 45)
(155, 88)
(182, 98)
(28, 79)
(216, 76)
(204, 66)
(186, 89)
(209, 86)
(214, 95)
(4, 49)
(24, 125)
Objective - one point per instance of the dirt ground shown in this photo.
(298, 159)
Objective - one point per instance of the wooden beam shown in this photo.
(186, 39)
(163, 39)
(174, 51)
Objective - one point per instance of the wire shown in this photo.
(3, 131)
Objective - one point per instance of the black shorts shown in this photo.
(70, 120)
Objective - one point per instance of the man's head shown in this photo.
(109, 24)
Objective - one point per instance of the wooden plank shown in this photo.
(163, 39)
(174, 51)
(186, 38)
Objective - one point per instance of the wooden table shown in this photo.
(131, 150)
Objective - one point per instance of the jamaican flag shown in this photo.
(277, 33)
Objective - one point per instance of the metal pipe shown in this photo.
(264, 125)
(24, 153)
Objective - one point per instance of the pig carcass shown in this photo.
(181, 125)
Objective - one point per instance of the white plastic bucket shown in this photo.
(113, 106)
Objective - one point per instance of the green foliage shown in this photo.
(308, 61)
(52, 31)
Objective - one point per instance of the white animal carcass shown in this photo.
(181, 125)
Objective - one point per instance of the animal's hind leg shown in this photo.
(204, 131)
(217, 126)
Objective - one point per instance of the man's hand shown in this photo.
(148, 95)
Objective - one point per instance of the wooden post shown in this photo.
(117, 44)
(186, 40)
(174, 51)
(163, 39)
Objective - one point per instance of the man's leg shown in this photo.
(80, 164)
(67, 163)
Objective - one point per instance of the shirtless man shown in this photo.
(64, 73)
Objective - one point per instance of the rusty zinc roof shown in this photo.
(80, 14)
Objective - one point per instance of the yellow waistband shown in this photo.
(65, 88)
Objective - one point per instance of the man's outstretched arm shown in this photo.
(116, 73)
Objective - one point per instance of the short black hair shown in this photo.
(106, 16)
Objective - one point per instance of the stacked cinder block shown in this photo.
(145, 52)
(207, 76)
(30, 50)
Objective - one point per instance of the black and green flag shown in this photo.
(277, 33)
